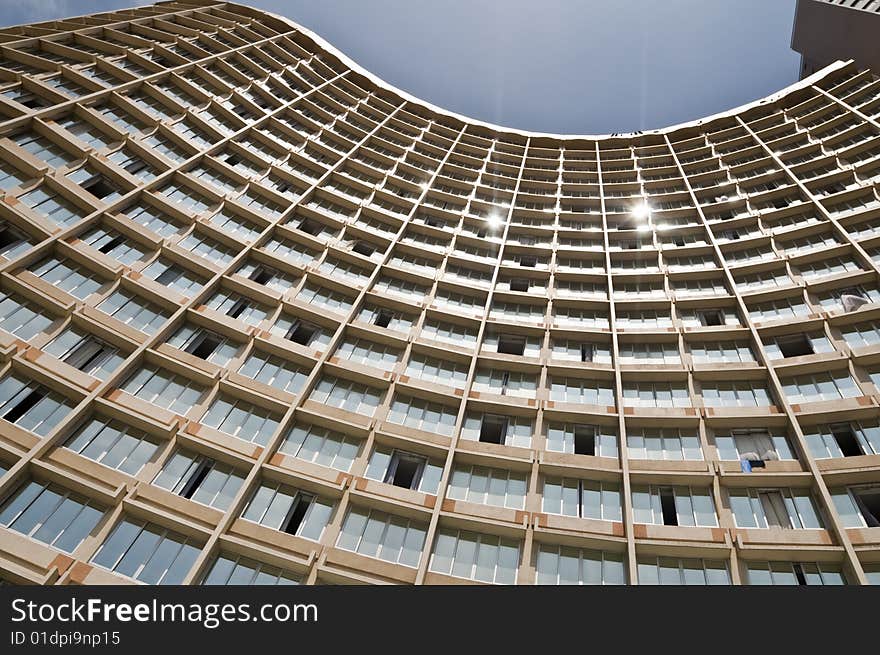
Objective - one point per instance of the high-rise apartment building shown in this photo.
(267, 319)
(829, 30)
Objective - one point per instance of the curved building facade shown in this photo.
(267, 319)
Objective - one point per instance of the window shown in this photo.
(671, 571)
(289, 510)
(204, 344)
(820, 386)
(383, 536)
(347, 395)
(492, 428)
(794, 573)
(752, 445)
(581, 391)
(455, 333)
(512, 344)
(404, 469)
(168, 390)
(50, 514)
(600, 441)
(735, 394)
(709, 318)
(774, 508)
(369, 353)
(267, 276)
(127, 308)
(321, 446)
(147, 552)
(21, 317)
(13, 242)
(663, 443)
(709, 352)
(206, 247)
(488, 486)
(238, 307)
(423, 415)
(113, 444)
(115, 245)
(241, 419)
(649, 353)
(275, 371)
(237, 570)
(481, 557)
(580, 351)
(843, 440)
(505, 383)
(84, 352)
(30, 405)
(682, 506)
(155, 220)
(565, 565)
(862, 334)
(299, 331)
(69, 277)
(174, 277)
(584, 499)
(439, 371)
(797, 345)
(200, 478)
(52, 206)
(656, 394)
(859, 506)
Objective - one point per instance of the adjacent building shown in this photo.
(829, 30)
(266, 319)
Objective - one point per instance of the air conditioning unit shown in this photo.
(851, 303)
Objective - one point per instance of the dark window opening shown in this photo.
(520, 284)
(584, 440)
(363, 248)
(33, 102)
(25, 404)
(511, 344)
(9, 236)
(99, 186)
(238, 308)
(310, 227)
(868, 501)
(198, 476)
(711, 318)
(204, 346)
(302, 333)
(846, 440)
(383, 318)
(799, 573)
(233, 159)
(481, 233)
(169, 275)
(434, 222)
(405, 470)
(297, 513)
(493, 429)
(528, 261)
(667, 506)
(136, 166)
(587, 352)
(112, 243)
(262, 275)
(795, 345)
(88, 354)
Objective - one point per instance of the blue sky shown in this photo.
(566, 66)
